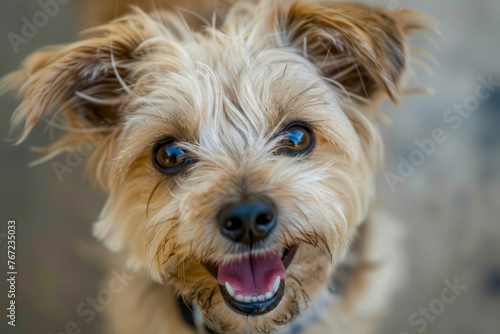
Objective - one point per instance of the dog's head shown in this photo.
(239, 160)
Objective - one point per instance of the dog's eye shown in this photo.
(298, 139)
(168, 157)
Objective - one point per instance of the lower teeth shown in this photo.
(254, 299)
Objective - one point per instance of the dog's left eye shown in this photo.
(168, 157)
(298, 139)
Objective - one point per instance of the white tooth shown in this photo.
(276, 284)
(269, 295)
(254, 299)
(229, 289)
(261, 298)
(240, 298)
(248, 299)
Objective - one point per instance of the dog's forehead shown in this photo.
(231, 88)
(244, 89)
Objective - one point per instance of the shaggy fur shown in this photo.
(225, 92)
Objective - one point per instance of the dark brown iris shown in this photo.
(169, 157)
(298, 139)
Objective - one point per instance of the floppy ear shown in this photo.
(89, 80)
(358, 47)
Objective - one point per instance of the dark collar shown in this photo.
(296, 328)
(187, 314)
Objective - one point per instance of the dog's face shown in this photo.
(239, 160)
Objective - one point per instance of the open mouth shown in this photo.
(255, 284)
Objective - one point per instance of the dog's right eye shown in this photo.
(298, 139)
(168, 157)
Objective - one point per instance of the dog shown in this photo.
(239, 155)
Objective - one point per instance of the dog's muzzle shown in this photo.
(254, 283)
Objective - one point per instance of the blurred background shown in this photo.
(449, 200)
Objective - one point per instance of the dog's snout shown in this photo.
(248, 221)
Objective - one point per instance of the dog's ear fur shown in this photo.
(88, 80)
(358, 47)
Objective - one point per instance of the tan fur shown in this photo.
(225, 92)
(96, 12)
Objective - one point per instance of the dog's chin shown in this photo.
(253, 285)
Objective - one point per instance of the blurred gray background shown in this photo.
(450, 204)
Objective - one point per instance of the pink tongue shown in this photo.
(252, 275)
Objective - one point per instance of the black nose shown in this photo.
(248, 221)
